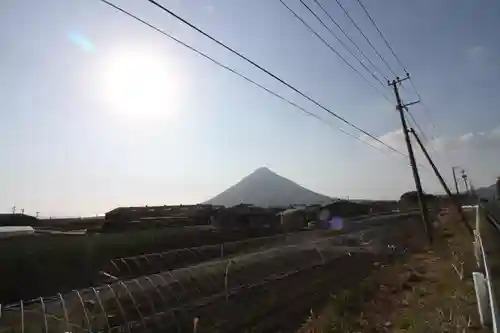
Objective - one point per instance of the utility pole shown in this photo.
(453, 199)
(465, 179)
(455, 179)
(421, 200)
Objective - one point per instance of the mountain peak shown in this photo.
(264, 188)
(263, 170)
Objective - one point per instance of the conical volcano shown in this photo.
(265, 188)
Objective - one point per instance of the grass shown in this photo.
(423, 292)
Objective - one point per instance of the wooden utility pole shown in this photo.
(453, 199)
(420, 194)
(455, 180)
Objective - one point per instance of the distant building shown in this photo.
(409, 201)
(127, 214)
(158, 216)
(246, 217)
(18, 220)
(293, 219)
(343, 208)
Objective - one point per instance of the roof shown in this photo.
(292, 210)
(339, 202)
(165, 208)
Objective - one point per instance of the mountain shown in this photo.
(265, 188)
(488, 192)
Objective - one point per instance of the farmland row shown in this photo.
(134, 266)
(46, 264)
(226, 295)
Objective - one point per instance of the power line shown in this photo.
(240, 75)
(333, 49)
(366, 38)
(347, 36)
(427, 112)
(399, 62)
(271, 92)
(424, 106)
(341, 42)
(381, 34)
(412, 118)
(273, 76)
(350, 51)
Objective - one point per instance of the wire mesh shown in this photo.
(226, 294)
(144, 264)
(128, 267)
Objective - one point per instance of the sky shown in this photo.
(99, 110)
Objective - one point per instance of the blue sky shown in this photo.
(99, 110)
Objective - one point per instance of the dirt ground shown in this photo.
(429, 290)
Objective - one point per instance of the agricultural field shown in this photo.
(258, 283)
(50, 263)
(45, 264)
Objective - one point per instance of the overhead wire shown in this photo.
(347, 36)
(341, 43)
(274, 76)
(347, 48)
(381, 34)
(422, 133)
(426, 110)
(385, 61)
(266, 89)
(366, 38)
(204, 55)
(424, 106)
(334, 50)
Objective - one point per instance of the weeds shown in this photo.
(427, 291)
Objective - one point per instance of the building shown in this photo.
(129, 214)
(246, 217)
(124, 218)
(409, 201)
(343, 208)
(293, 219)
(18, 220)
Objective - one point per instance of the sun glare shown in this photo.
(142, 86)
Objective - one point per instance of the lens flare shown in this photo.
(81, 41)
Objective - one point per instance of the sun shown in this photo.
(141, 86)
